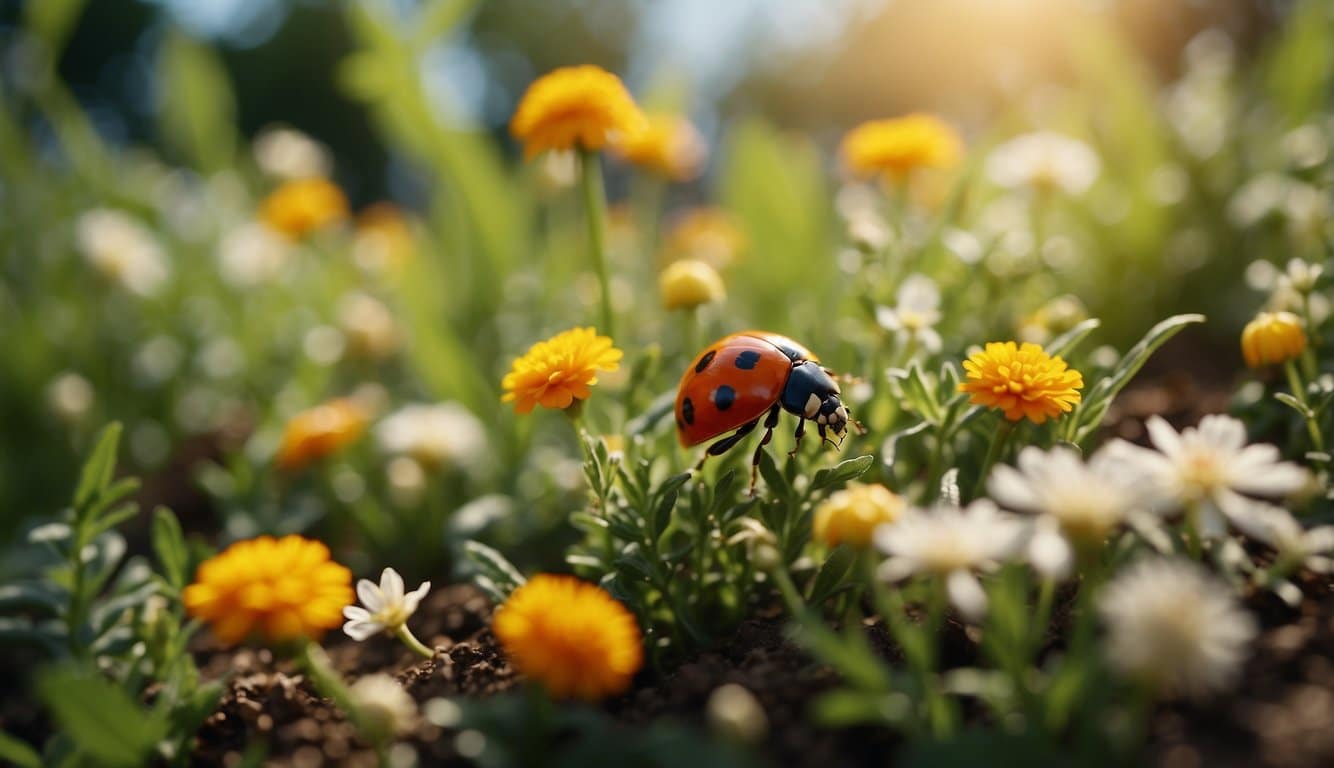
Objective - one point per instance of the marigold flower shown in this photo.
(710, 235)
(688, 283)
(668, 146)
(900, 145)
(319, 432)
(556, 372)
(302, 206)
(850, 516)
(575, 108)
(1023, 381)
(281, 589)
(1272, 338)
(570, 636)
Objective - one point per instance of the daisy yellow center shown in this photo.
(1201, 474)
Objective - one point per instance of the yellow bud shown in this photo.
(850, 515)
(1271, 338)
(688, 283)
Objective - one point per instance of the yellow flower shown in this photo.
(1272, 337)
(669, 146)
(302, 206)
(383, 239)
(850, 515)
(570, 636)
(1023, 381)
(575, 108)
(281, 589)
(688, 283)
(708, 234)
(556, 372)
(319, 432)
(900, 145)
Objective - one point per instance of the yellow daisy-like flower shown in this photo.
(302, 206)
(583, 107)
(710, 235)
(556, 372)
(668, 146)
(280, 589)
(1272, 338)
(850, 515)
(900, 145)
(1022, 381)
(570, 636)
(688, 283)
(319, 432)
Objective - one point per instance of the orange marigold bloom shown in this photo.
(900, 145)
(850, 516)
(1022, 381)
(1272, 338)
(711, 235)
(571, 636)
(302, 206)
(575, 108)
(668, 146)
(320, 431)
(556, 372)
(280, 589)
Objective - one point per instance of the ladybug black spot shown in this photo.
(747, 360)
(688, 411)
(723, 397)
(704, 361)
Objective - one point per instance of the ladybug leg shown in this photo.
(770, 422)
(800, 433)
(727, 443)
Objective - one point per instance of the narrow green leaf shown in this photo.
(1295, 404)
(169, 546)
(18, 753)
(502, 575)
(849, 469)
(100, 466)
(99, 716)
(832, 573)
(1064, 344)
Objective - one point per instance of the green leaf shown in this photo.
(18, 753)
(1064, 344)
(832, 573)
(52, 22)
(502, 575)
(849, 653)
(169, 546)
(843, 708)
(778, 484)
(99, 468)
(197, 106)
(1295, 404)
(14, 598)
(99, 716)
(889, 448)
(846, 470)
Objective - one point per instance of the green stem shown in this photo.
(1191, 532)
(331, 685)
(796, 605)
(595, 209)
(1299, 391)
(411, 641)
(689, 331)
(994, 451)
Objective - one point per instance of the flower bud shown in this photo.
(734, 713)
(1272, 338)
(850, 515)
(688, 283)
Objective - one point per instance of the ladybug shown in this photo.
(750, 376)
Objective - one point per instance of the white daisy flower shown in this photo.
(915, 313)
(1296, 545)
(286, 153)
(387, 708)
(387, 608)
(951, 543)
(122, 249)
(1173, 626)
(438, 435)
(1210, 471)
(253, 254)
(1076, 503)
(1044, 160)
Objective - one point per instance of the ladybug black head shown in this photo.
(812, 393)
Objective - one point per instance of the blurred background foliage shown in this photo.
(151, 108)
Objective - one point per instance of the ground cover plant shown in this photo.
(613, 437)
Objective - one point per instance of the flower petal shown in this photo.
(391, 584)
(370, 595)
(967, 595)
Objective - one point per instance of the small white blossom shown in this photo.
(286, 153)
(1296, 545)
(387, 606)
(951, 543)
(1174, 627)
(1210, 471)
(70, 396)
(1044, 160)
(253, 254)
(438, 435)
(1075, 502)
(368, 326)
(123, 250)
(1300, 276)
(915, 313)
(383, 702)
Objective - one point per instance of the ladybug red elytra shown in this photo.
(740, 378)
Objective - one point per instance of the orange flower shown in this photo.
(319, 432)
(575, 108)
(557, 372)
(570, 636)
(900, 145)
(302, 206)
(281, 589)
(669, 146)
(1271, 338)
(1022, 381)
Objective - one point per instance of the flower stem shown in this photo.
(411, 641)
(595, 209)
(330, 684)
(1299, 391)
(994, 451)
